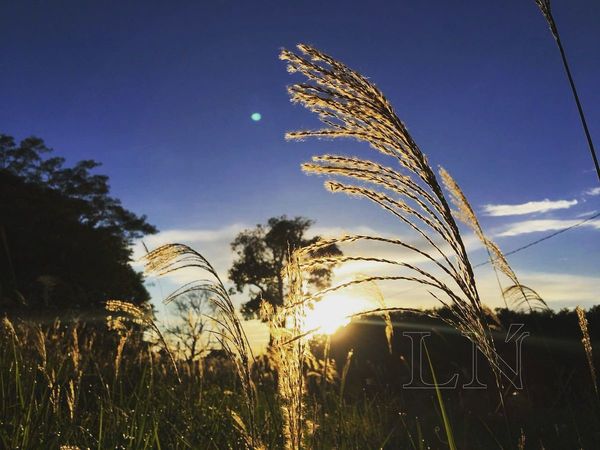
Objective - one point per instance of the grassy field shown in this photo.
(81, 386)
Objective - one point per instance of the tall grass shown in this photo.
(516, 295)
(228, 326)
(546, 9)
(351, 106)
(587, 344)
(77, 384)
(61, 385)
(438, 393)
(287, 351)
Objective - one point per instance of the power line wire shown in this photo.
(544, 238)
(526, 246)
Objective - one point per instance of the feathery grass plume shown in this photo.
(10, 329)
(228, 332)
(119, 353)
(352, 107)
(546, 9)
(142, 317)
(74, 349)
(345, 371)
(55, 390)
(39, 342)
(289, 351)
(389, 326)
(71, 399)
(117, 324)
(587, 344)
(517, 293)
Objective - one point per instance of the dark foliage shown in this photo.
(64, 241)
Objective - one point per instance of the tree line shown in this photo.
(66, 242)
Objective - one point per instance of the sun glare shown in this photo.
(332, 313)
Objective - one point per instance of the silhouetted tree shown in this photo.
(190, 331)
(64, 241)
(261, 255)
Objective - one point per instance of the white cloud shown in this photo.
(593, 191)
(193, 235)
(585, 214)
(562, 290)
(533, 226)
(527, 208)
(332, 232)
(211, 243)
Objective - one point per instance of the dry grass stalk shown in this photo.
(74, 350)
(546, 9)
(119, 353)
(10, 329)
(39, 342)
(228, 328)
(516, 294)
(289, 351)
(352, 107)
(389, 326)
(345, 371)
(75, 381)
(587, 344)
(141, 317)
(71, 399)
(55, 390)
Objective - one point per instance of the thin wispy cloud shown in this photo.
(586, 214)
(534, 226)
(213, 243)
(556, 288)
(593, 191)
(528, 207)
(194, 235)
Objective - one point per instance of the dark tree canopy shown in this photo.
(64, 241)
(261, 255)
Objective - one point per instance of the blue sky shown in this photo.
(162, 93)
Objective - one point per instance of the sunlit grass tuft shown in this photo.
(350, 106)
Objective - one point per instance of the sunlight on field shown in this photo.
(333, 312)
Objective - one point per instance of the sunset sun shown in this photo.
(333, 312)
